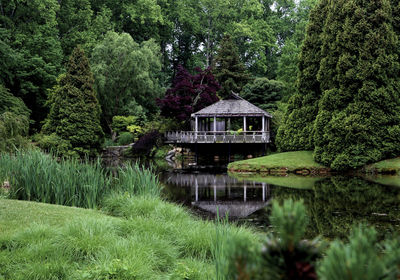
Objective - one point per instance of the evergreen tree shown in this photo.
(296, 132)
(264, 93)
(74, 109)
(229, 71)
(359, 116)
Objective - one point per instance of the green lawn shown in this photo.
(133, 238)
(288, 162)
(384, 166)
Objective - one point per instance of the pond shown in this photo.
(333, 203)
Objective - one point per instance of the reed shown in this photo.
(219, 249)
(40, 177)
(136, 180)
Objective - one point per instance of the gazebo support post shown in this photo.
(215, 128)
(244, 124)
(215, 124)
(196, 127)
(263, 127)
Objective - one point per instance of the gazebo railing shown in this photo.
(217, 137)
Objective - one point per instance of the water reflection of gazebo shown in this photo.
(228, 195)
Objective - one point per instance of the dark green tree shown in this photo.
(359, 116)
(74, 109)
(263, 93)
(229, 71)
(14, 121)
(296, 132)
(30, 51)
(74, 19)
(10, 103)
(126, 75)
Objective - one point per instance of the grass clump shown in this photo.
(287, 162)
(36, 176)
(134, 237)
(136, 180)
(39, 177)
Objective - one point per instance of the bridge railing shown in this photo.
(217, 137)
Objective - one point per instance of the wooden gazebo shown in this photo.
(213, 124)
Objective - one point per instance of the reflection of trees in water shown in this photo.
(281, 193)
(336, 203)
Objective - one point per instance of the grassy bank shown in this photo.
(301, 162)
(133, 238)
(388, 166)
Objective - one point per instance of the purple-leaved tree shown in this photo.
(188, 94)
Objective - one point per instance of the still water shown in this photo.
(333, 204)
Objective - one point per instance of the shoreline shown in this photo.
(302, 163)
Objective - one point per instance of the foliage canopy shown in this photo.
(188, 94)
(126, 75)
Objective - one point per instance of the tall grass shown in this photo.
(136, 180)
(219, 249)
(36, 176)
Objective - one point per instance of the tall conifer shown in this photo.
(296, 133)
(75, 112)
(359, 115)
(229, 71)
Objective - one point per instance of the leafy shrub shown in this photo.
(54, 144)
(146, 144)
(10, 103)
(125, 138)
(13, 131)
(162, 125)
(14, 121)
(135, 130)
(120, 123)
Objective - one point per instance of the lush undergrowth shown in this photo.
(276, 163)
(36, 176)
(135, 238)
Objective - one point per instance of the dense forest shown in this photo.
(150, 38)
(327, 71)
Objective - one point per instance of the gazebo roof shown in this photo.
(234, 106)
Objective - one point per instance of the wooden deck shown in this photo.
(217, 137)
